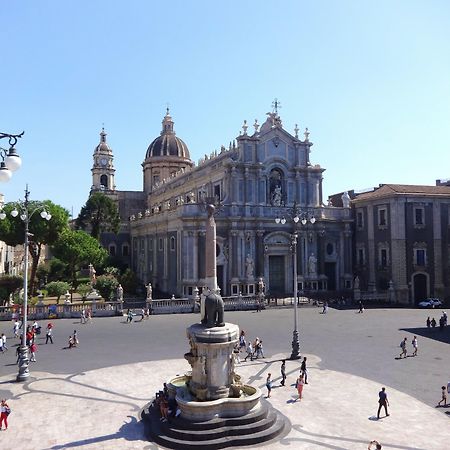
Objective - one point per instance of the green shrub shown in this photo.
(57, 288)
(106, 285)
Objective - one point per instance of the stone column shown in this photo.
(259, 263)
(210, 251)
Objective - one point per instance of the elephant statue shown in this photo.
(213, 311)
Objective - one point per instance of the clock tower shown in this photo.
(103, 167)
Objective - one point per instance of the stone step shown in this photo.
(223, 442)
(254, 428)
(217, 422)
(170, 429)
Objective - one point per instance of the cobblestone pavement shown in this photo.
(90, 397)
(99, 409)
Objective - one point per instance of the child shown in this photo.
(444, 397)
(269, 384)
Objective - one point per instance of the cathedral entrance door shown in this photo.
(330, 272)
(276, 275)
(420, 287)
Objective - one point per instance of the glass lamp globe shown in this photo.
(23, 217)
(313, 219)
(44, 214)
(304, 221)
(283, 220)
(277, 220)
(5, 173)
(2, 216)
(296, 219)
(48, 216)
(14, 213)
(13, 161)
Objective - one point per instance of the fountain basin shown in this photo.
(198, 411)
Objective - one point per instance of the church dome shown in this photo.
(167, 144)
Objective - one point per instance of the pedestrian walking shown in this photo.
(89, 315)
(361, 307)
(1, 345)
(3, 339)
(249, 351)
(269, 384)
(428, 322)
(16, 328)
(33, 350)
(48, 335)
(383, 402)
(283, 372)
(325, 308)
(18, 354)
(142, 314)
(304, 370)
(259, 349)
(376, 443)
(4, 413)
(444, 315)
(242, 342)
(75, 338)
(129, 316)
(403, 347)
(433, 322)
(299, 385)
(444, 397)
(414, 344)
(83, 316)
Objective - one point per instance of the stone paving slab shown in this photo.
(100, 409)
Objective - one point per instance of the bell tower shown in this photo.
(103, 167)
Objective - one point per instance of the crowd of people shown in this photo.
(165, 404)
(431, 323)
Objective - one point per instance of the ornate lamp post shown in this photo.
(25, 213)
(297, 215)
(10, 160)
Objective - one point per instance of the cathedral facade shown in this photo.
(268, 196)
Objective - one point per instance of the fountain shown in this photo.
(216, 409)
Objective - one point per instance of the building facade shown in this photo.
(265, 188)
(402, 241)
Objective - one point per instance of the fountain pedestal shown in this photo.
(211, 359)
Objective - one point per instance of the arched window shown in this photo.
(172, 243)
(104, 181)
(125, 250)
(112, 249)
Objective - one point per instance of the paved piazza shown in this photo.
(90, 397)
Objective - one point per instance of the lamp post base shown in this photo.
(295, 346)
(24, 373)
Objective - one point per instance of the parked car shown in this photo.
(430, 303)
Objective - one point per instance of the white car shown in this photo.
(430, 303)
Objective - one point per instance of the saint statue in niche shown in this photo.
(276, 196)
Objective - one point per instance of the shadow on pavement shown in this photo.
(130, 431)
(431, 333)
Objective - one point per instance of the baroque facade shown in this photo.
(262, 176)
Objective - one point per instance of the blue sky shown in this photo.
(369, 79)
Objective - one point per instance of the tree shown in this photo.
(106, 286)
(129, 281)
(8, 285)
(57, 288)
(77, 249)
(99, 214)
(84, 289)
(42, 232)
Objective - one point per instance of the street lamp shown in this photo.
(297, 215)
(10, 160)
(25, 213)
